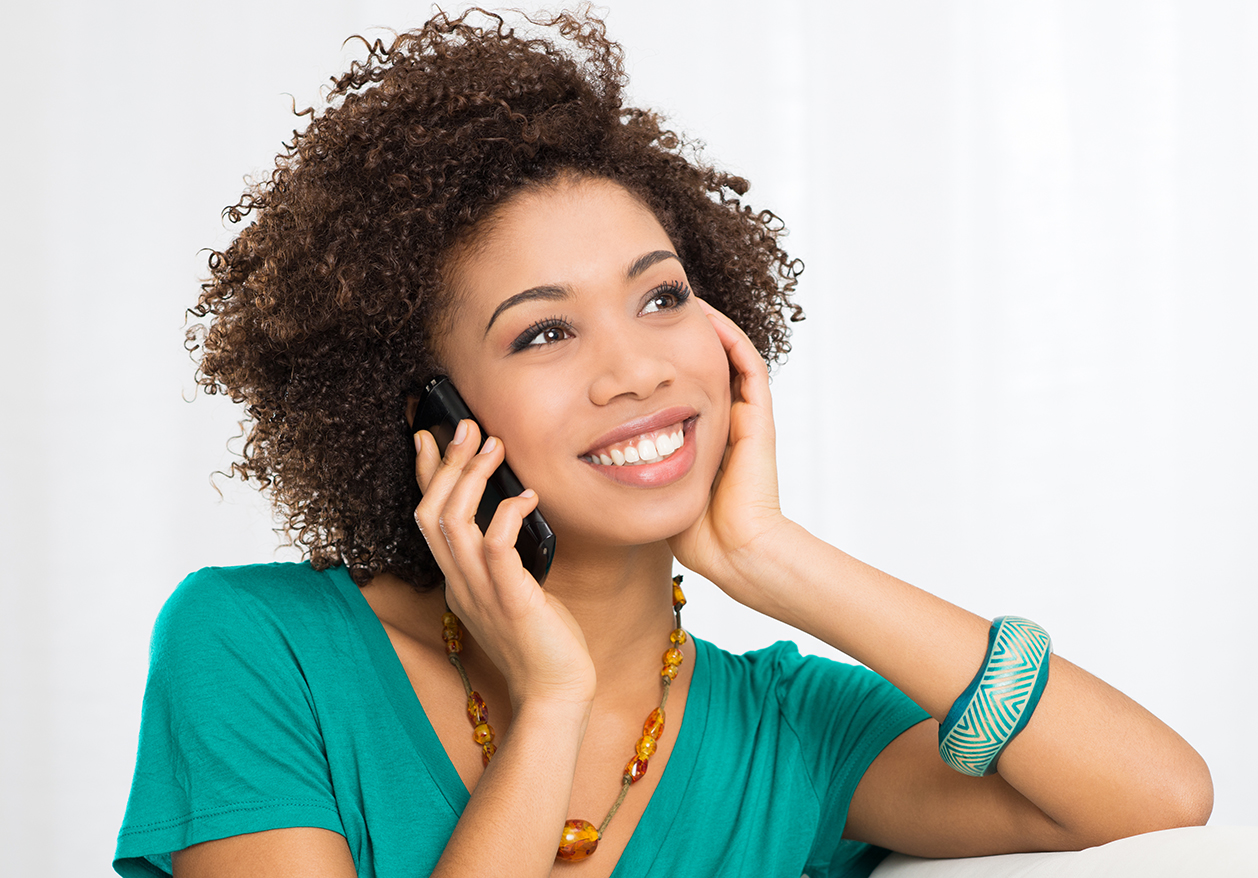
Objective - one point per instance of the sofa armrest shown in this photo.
(1205, 851)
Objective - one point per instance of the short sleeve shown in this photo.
(844, 716)
(229, 735)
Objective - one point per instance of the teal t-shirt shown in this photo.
(275, 699)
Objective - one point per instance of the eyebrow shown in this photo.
(642, 263)
(547, 293)
(556, 293)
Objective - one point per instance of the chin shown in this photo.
(626, 524)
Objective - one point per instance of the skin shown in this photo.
(569, 672)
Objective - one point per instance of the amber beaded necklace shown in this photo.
(580, 838)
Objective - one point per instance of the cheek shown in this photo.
(709, 367)
(711, 362)
(524, 415)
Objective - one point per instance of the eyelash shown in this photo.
(678, 290)
(674, 288)
(525, 338)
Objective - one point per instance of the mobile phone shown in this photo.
(440, 410)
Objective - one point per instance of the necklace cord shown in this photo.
(580, 838)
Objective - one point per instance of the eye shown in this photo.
(542, 333)
(667, 297)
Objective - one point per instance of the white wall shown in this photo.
(1027, 381)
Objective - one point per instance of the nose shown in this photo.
(630, 364)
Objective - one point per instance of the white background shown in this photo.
(1027, 381)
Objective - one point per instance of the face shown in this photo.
(576, 340)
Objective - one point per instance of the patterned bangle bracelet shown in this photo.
(1000, 699)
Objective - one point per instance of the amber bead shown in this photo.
(476, 709)
(449, 620)
(454, 646)
(483, 733)
(678, 636)
(578, 841)
(674, 656)
(448, 634)
(635, 769)
(646, 747)
(487, 751)
(654, 725)
(669, 671)
(679, 599)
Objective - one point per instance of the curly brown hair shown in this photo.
(324, 307)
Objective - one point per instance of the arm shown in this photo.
(512, 793)
(1091, 766)
(299, 852)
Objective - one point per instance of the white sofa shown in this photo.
(1206, 851)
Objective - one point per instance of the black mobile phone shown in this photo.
(440, 410)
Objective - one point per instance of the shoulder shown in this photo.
(781, 669)
(266, 641)
(288, 582)
(227, 607)
(213, 594)
(845, 705)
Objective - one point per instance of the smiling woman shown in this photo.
(480, 204)
(332, 304)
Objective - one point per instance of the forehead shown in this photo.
(571, 232)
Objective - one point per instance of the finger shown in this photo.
(502, 561)
(457, 519)
(437, 477)
(490, 569)
(435, 472)
(427, 459)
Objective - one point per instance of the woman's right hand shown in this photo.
(527, 632)
(530, 637)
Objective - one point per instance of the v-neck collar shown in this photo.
(651, 834)
(400, 694)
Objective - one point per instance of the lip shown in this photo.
(653, 475)
(657, 421)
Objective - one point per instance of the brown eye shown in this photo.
(550, 335)
(542, 333)
(667, 297)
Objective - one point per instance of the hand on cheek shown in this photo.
(743, 509)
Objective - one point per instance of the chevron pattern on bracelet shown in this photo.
(989, 720)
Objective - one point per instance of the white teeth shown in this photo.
(647, 450)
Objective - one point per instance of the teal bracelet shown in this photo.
(1000, 699)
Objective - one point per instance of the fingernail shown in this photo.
(460, 433)
(528, 493)
(490, 444)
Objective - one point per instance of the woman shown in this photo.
(480, 205)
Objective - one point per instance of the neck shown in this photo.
(620, 596)
(622, 599)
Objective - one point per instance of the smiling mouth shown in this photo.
(650, 447)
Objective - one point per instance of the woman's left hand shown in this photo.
(743, 510)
